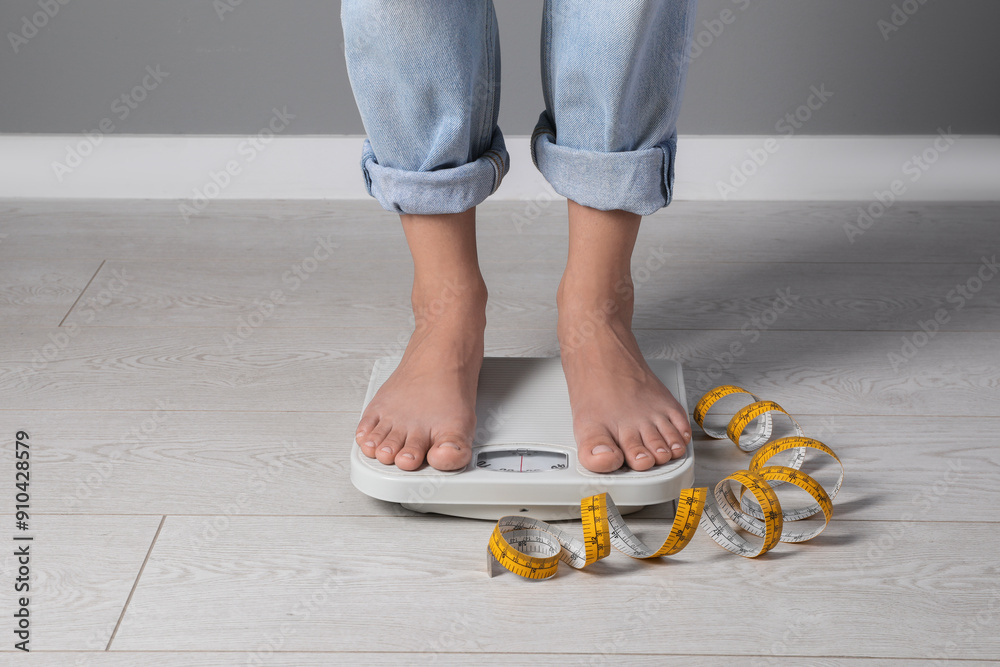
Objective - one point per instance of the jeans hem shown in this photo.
(439, 191)
(640, 181)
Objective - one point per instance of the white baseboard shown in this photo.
(852, 168)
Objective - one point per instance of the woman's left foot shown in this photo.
(622, 412)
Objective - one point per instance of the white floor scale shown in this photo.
(523, 454)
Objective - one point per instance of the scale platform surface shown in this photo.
(523, 453)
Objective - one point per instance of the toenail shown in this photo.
(387, 449)
(370, 443)
(663, 450)
(640, 455)
(451, 445)
(407, 455)
(687, 437)
(677, 448)
(601, 449)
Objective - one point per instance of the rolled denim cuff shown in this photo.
(639, 181)
(445, 190)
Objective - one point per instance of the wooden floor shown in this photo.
(190, 497)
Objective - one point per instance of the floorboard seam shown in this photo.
(432, 517)
(136, 582)
(82, 292)
(770, 656)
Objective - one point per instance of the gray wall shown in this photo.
(223, 76)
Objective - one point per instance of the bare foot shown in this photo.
(622, 412)
(427, 407)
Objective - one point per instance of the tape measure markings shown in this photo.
(792, 475)
(603, 527)
(753, 506)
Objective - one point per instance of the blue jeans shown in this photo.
(426, 78)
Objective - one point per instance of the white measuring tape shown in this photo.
(532, 548)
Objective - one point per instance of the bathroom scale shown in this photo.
(523, 452)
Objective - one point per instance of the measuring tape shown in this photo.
(532, 548)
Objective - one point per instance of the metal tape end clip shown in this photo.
(493, 566)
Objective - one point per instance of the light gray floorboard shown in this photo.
(300, 659)
(304, 369)
(342, 291)
(82, 571)
(41, 293)
(122, 353)
(219, 463)
(312, 575)
(741, 231)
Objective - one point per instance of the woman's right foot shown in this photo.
(427, 408)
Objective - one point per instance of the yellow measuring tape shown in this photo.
(532, 548)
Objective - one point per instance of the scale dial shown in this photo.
(521, 459)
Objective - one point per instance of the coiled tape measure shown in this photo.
(532, 548)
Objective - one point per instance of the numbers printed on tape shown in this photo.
(745, 504)
(533, 548)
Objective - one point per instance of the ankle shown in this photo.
(448, 297)
(580, 323)
(599, 301)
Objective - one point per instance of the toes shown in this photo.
(679, 420)
(673, 437)
(377, 435)
(386, 451)
(655, 443)
(363, 436)
(636, 454)
(365, 426)
(413, 452)
(450, 452)
(600, 453)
